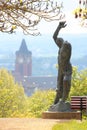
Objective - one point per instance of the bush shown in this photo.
(12, 97)
(79, 82)
(40, 101)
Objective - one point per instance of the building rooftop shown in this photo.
(23, 48)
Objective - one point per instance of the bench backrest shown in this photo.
(79, 102)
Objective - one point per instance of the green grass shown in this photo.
(71, 125)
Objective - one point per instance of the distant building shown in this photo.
(23, 62)
(23, 72)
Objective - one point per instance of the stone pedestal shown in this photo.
(61, 110)
(60, 107)
(61, 115)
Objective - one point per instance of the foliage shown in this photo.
(14, 102)
(26, 14)
(81, 12)
(79, 82)
(40, 101)
(71, 125)
(12, 97)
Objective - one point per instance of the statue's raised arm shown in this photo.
(57, 40)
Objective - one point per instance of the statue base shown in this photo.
(61, 115)
(60, 107)
(61, 110)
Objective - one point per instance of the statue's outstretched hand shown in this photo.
(62, 24)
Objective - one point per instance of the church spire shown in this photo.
(23, 48)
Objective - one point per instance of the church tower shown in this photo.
(23, 62)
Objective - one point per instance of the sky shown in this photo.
(11, 42)
(73, 25)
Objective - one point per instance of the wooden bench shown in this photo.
(79, 103)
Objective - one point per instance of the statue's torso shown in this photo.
(64, 56)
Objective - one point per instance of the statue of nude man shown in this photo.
(64, 65)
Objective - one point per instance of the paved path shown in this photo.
(26, 124)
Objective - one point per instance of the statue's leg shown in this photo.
(58, 96)
(59, 90)
(66, 89)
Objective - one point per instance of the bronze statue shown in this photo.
(64, 66)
